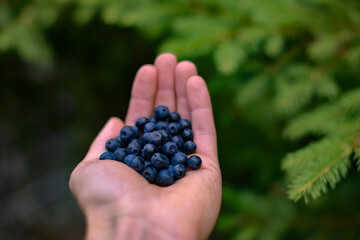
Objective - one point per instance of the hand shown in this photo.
(118, 203)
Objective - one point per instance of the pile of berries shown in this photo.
(157, 147)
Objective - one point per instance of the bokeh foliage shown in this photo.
(284, 79)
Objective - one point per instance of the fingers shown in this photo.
(165, 65)
(184, 70)
(110, 130)
(142, 94)
(202, 117)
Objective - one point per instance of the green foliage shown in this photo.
(325, 161)
(264, 217)
(284, 79)
(228, 57)
(23, 31)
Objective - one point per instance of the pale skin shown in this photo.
(118, 203)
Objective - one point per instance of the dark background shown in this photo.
(67, 66)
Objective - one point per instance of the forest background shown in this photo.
(284, 77)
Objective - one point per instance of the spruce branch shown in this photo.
(356, 148)
(327, 160)
(320, 121)
(325, 163)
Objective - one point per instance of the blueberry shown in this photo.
(136, 131)
(160, 161)
(137, 163)
(178, 170)
(118, 139)
(128, 159)
(189, 147)
(137, 140)
(187, 134)
(156, 138)
(166, 134)
(152, 119)
(174, 128)
(184, 123)
(127, 134)
(145, 138)
(169, 148)
(194, 162)
(165, 178)
(149, 127)
(177, 139)
(174, 117)
(134, 147)
(165, 137)
(107, 155)
(161, 113)
(111, 145)
(179, 158)
(120, 153)
(149, 173)
(147, 163)
(162, 125)
(148, 150)
(140, 122)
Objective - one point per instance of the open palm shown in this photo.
(118, 198)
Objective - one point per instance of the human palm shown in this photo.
(112, 191)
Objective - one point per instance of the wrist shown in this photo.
(108, 225)
(99, 224)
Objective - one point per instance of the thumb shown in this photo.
(110, 130)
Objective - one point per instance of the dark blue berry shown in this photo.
(178, 170)
(136, 131)
(137, 163)
(120, 153)
(140, 122)
(147, 163)
(149, 127)
(148, 150)
(174, 128)
(187, 134)
(189, 147)
(194, 162)
(161, 113)
(134, 147)
(127, 134)
(162, 125)
(149, 173)
(184, 123)
(169, 148)
(137, 140)
(128, 159)
(152, 119)
(174, 117)
(145, 138)
(111, 145)
(107, 155)
(118, 139)
(179, 158)
(177, 139)
(160, 161)
(156, 138)
(166, 135)
(165, 178)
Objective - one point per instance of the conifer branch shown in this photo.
(330, 173)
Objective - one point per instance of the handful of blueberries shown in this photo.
(157, 147)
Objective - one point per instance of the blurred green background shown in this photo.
(284, 77)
